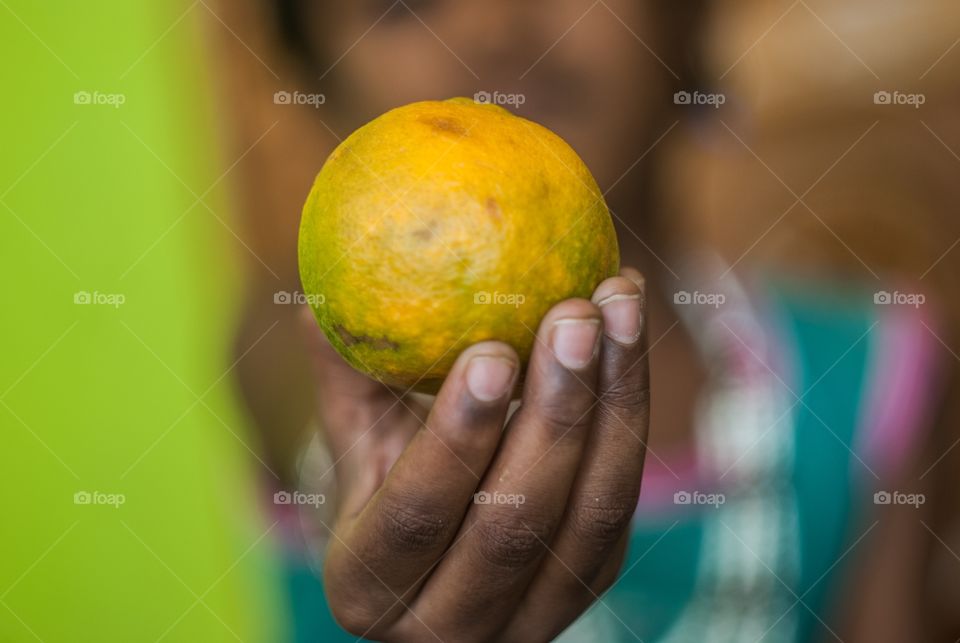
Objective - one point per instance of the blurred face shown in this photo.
(580, 71)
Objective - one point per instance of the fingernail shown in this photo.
(621, 317)
(574, 341)
(637, 279)
(490, 378)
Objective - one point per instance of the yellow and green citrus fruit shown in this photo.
(444, 223)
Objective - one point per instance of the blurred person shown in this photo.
(787, 407)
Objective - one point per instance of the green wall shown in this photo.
(131, 398)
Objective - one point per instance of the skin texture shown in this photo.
(424, 215)
(413, 557)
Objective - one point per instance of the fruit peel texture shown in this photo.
(425, 214)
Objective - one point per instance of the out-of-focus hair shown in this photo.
(680, 24)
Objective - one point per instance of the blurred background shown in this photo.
(799, 159)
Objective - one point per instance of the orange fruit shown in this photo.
(444, 223)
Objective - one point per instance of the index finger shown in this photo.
(378, 560)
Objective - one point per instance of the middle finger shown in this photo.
(506, 531)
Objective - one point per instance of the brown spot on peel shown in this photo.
(493, 209)
(427, 231)
(377, 343)
(445, 125)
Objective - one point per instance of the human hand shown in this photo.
(414, 556)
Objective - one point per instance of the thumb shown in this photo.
(364, 423)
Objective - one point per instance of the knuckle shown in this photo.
(354, 620)
(561, 417)
(600, 520)
(409, 526)
(511, 542)
(346, 589)
(470, 436)
(613, 423)
(625, 396)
